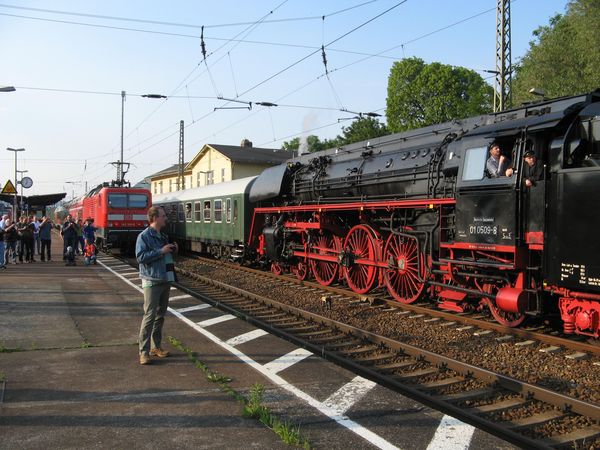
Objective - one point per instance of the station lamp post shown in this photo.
(21, 172)
(16, 150)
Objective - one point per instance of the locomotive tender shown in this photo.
(416, 213)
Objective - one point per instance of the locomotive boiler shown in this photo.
(419, 214)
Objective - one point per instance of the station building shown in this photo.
(217, 163)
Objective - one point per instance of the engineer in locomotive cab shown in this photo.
(533, 170)
(498, 165)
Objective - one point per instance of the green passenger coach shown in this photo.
(212, 219)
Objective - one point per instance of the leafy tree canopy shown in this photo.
(361, 129)
(421, 94)
(564, 57)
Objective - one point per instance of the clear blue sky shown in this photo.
(72, 137)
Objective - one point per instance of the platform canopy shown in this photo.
(35, 202)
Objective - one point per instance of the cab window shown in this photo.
(138, 200)
(117, 200)
(474, 166)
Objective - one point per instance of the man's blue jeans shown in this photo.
(2, 262)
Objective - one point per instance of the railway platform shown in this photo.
(70, 376)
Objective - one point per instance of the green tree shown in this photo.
(362, 129)
(564, 57)
(292, 145)
(421, 94)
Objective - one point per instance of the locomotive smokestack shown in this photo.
(246, 143)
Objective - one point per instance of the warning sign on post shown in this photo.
(9, 188)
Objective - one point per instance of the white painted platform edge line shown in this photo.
(135, 286)
(350, 393)
(246, 337)
(216, 320)
(342, 420)
(194, 308)
(287, 360)
(451, 434)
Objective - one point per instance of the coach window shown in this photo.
(206, 209)
(235, 210)
(197, 212)
(219, 211)
(180, 214)
(228, 210)
(188, 212)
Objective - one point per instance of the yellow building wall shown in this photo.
(213, 161)
(247, 170)
(169, 184)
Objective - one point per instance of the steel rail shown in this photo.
(526, 390)
(463, 319)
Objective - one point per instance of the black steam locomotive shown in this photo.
(420, 213)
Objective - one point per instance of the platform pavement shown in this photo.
(77, 382)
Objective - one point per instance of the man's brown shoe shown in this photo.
(145, 359)
(159, 352)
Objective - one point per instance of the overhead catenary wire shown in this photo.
(312, 81)
(177, 24)
(384, 51)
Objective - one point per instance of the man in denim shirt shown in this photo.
(155, 256)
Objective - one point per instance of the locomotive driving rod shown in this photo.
(462, 289)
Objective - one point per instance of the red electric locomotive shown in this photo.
(119, 214)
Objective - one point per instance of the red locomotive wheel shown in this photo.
(300, 270)
(361, 243)
(325, 272)
(403, 276)
(502, 317)
(276, 268)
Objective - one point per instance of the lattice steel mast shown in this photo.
(181, 178)
(502, 86)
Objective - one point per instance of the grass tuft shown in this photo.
(253, 407)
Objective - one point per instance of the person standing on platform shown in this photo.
(36, 235)
(2, 245)
(27, 239)
(69, 235)
(10, 240)
(45, 239)
(79, 243)
(89, 231)
(155, 256)
(22, 232)
(2, 232)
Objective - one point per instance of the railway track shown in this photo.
(552, 339)
(516, 411)
(522, 413)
